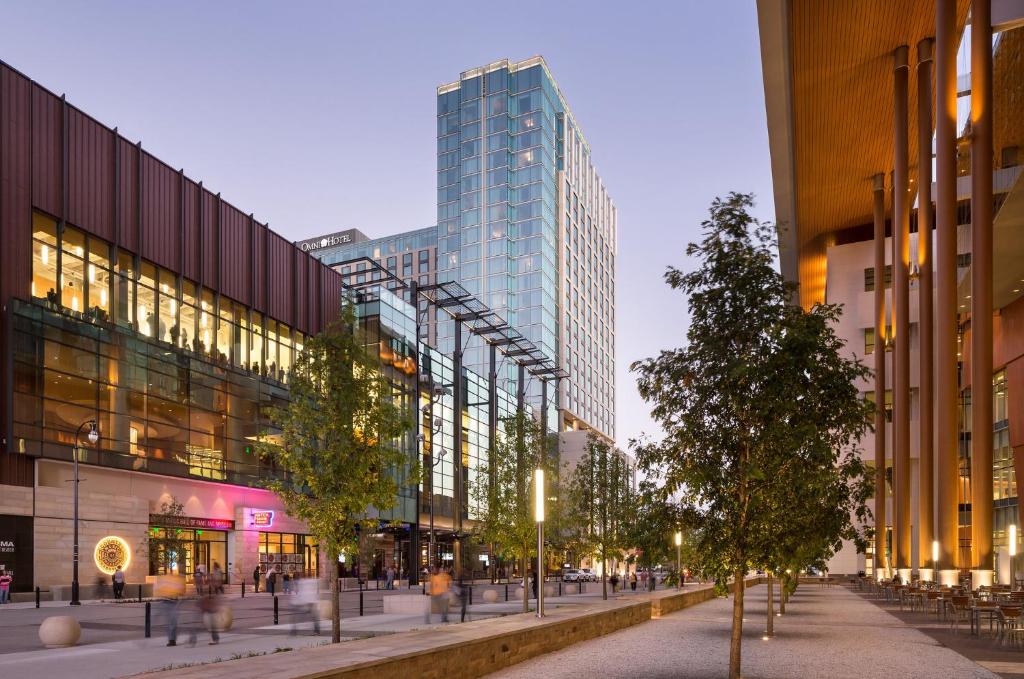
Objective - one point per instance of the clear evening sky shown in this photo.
(320, 116)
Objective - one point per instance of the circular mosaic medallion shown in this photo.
(111, 553)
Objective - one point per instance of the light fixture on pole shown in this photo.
(679, 561)
(1013, 554)
(94, 437)
(538, 511)
(935, 559)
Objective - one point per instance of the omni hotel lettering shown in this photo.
(332, 240)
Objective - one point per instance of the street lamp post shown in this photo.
(538, 510)
(435, 428)
(93, 436)
(679, 560)
(1013, 555)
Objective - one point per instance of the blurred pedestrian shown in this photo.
(643, 579)
(6, 581)
(256, 579)
(440, 584)
(390, 574)
(632, 581)
(117, 579)
(216, 579)
(463, 593)
(272, 580)
(614, 580)
(199, 579)
(307, 603)
(169, 589)
(210, 618)
(286, 582)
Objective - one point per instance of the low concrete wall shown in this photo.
(458, 651)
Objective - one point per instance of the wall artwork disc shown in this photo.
(111, 553)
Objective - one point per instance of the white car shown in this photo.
(587, 575)
(573, 576)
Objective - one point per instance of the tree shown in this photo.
(504, 492)
(652, 521)
(166, 547)
(599, 498)
(758, 409)
(339, 443)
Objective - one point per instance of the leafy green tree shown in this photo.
(650, 527)
(504, 493)
(598, 495)
(759, 408)
(165, 547)
(340, 443)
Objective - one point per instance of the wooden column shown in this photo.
(947, 429)
(981, 291)
(901, 314)
(881, 563)
(925, 326)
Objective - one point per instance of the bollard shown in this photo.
(506, 591)
(424, 587)
(471, 595)
(559, 588)
(243, 588)
(360, 603)
(37, 597)
(140, 593)
(275, 609)
(149, 629)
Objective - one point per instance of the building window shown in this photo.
(869, 396)
(869, 278)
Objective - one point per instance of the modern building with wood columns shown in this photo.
(896, 130)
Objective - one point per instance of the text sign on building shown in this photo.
(168, 521)
(340, 238)
(262, 518)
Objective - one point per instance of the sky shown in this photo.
(321, 116)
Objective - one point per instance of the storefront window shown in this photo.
(73, 269)
(224, 331)
(183, 550)
(257, 344)
(167, 326)
(206, 322)
(289, 553)
(124, 289)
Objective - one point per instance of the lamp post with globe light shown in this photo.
(93, 436)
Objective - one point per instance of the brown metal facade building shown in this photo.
(71, 187)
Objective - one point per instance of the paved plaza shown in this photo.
(831, 633)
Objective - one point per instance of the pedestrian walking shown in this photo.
(209, 611)
(217, 579)
(6, 581)
(271, 581)
(463, 592)
(256, 579)
(390, 574)
(169, 589)
(440, 584)
(117, 580)
(643, 579)
(199, 579)
(632, 581)
(614, 580)
(307, 603)
(286, 583)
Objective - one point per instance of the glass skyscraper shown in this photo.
(525, 224)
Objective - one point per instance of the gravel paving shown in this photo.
(829, 633)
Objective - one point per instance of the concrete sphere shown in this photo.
(519, 593)
(60, 630)
(490, 596)
(571, 588)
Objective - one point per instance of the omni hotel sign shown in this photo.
(332, 240)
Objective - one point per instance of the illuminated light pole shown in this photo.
(935, 559)
(679, 560)
(538, 511)
(1013, 555)
(94, 437)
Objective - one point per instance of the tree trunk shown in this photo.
(332, 560)
(782, 594)
(526, 580)
(604, 572)
(736, 643)
(770, 631)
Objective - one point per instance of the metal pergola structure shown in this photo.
(482, 321)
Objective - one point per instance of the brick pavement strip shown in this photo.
(457, 651)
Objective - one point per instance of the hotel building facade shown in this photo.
(895, 132)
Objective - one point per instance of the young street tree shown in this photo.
(339, 443)
(504, 491)
(598, 498)
(759, 408)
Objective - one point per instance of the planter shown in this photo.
(60, 630)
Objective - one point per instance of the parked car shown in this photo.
(587, 575)
(572, 575)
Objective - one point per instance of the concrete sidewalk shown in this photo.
(829, 633)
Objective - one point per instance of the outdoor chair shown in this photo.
(960, 609)
(1010, 624)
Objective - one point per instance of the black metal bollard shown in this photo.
(360, 603)
(506, 591)
(149, 628)
(140, 593)
(37, 597)
(275, 609)
(243, 588)
(470, 595)
(559, 588)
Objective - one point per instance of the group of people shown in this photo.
(287, 579)
(442, 587)
(209, 583)
(647, 580)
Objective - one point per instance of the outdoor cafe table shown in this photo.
(990, 610)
